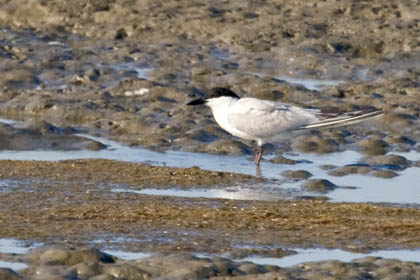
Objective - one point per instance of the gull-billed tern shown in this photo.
(267, 121)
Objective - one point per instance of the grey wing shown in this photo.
(267, 119)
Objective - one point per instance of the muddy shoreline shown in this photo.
(77, 208)
(83, 200)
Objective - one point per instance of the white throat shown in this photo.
(221, 107)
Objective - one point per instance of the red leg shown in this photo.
(258, 154)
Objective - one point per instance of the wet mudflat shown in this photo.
(78, 205)
(124, 70)
(71, 203)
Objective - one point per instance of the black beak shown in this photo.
(196, 102)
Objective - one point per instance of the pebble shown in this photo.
(374, 146)
(296, 174)
(319, 185)
(384, 174)
(316, 144)
(346, 170)
(390, 162)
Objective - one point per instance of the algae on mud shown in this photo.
(73, 201)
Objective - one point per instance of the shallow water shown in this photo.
(399, 190)
(311, 84)
(317, 254)
(13, 265)
(127, 255)
(14, 246)
(236, 194)
(308, 83)
(302, 256)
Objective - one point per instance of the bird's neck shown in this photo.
(221, 108)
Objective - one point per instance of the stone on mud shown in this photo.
(319, 185)
(296, 174)
(374, 146)
(316, 144)
(391, 162)
(352, 169)
(63, 256)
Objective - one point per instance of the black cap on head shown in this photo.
(214, 93)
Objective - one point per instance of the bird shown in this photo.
(265, 121)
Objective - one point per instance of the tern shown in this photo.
(265, 121)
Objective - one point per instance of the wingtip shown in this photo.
(353, 119)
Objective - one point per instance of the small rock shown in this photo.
(390, 162)
(316, 144)
(374, 146)
(400, 139)
(319, 185)
(352, 169)
(384, 173)
(296, 174)
(94, 146)
(327, 166)
(63, 256)
(223, 147)
(283, 160)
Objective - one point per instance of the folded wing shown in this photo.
(266, 119)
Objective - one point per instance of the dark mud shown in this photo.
(126, 68)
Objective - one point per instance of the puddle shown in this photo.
(398, 190)
(310, 84)
(237, 194)
(302, 256)
(14, 246)
(316, 255)
(5, 186)
(9, 122)
(142, 72)
(128, 256)
(16, 266)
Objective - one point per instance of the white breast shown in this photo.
(221, 107)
